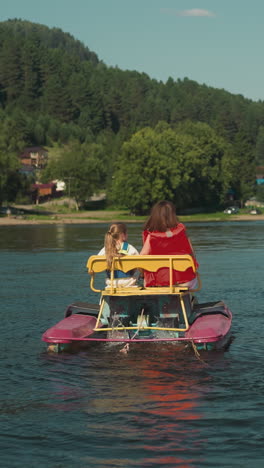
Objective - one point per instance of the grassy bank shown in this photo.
(64, 210)
(43, 214)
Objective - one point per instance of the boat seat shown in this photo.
(97, 264)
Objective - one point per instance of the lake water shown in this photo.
(153, 407)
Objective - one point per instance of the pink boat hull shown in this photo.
(73, 328)
(214, 329)
(210, 326)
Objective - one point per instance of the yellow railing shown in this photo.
(152, 263)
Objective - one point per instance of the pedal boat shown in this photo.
(138, 314)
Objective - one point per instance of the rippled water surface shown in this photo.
(155, 406)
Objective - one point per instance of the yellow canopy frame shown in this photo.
(97, 264)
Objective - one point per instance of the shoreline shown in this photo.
(81, 219)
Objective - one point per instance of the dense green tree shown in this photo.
(245, 177)
(81, 168)
(10, 69)
(211, 164)
(260, 193)
(183, 165)
(30, 68)
(8, 172)
(14, 132)
(259, 159)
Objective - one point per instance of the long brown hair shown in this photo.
(162, 217)
(111, 238)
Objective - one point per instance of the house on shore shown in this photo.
(42, 192)
(34, 156)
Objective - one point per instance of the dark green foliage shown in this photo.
(244, 180)
(54, 90)
(260, 147)
(53, 38)
(260, 193)
(10, 180)
(80, 167)
(185, 165)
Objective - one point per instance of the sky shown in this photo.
(219, 43)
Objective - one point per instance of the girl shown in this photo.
(164, 234)
(116, 245)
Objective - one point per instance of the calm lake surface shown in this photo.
(153, 407)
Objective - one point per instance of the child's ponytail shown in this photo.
(111, 238)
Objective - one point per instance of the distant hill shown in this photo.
(52, 38)
(49, 76)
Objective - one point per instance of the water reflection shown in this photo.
(173, 403)
(60, 235)
(149, 401)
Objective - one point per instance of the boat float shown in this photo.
(138, 314)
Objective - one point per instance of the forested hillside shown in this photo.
(195, 143)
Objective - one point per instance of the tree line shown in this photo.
(136, 138)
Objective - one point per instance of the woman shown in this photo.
(165, 235)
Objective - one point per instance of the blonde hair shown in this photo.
(111, 238)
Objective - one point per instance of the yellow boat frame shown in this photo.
(97, 264)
